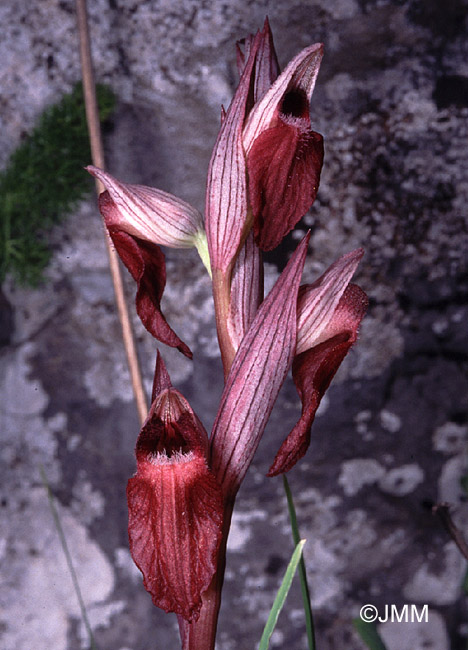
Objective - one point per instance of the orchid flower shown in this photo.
(329, 314)
(138, 220)
(150, 214)
(264, 170)
(174, 503)
(263, 177)
(266, 163)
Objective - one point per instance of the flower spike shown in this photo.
(175, 504)
(263, 176)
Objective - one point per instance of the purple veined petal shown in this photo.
(266, 64)
(267, 67)
(246, 290)
(175, 505)
(297, 78)
(257, 374)
(175, 522)
(226, 196)
(314, 369)
(170, 409)
(317, 302)
(148, 213)
(169, 406)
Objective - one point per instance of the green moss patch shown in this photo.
(43, 181)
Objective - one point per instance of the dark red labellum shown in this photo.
(283, 168)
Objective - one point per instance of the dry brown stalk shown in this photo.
(97, 154)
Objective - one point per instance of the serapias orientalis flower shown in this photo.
(329, 314)
(148, 213)
(139, 219)
(311, 328)
(265, 166)
(174, 503)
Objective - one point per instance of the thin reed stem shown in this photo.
(97, 154)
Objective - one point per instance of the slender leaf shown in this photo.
(281, 596)
(301, 570)
(368, 633)
(66, 550)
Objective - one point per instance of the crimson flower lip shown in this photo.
(146, 264)
(175, 504)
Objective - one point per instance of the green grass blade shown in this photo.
(71, 569)
(368, 633)
(309, 620)
(281, 596)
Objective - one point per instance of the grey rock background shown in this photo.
(392, 103)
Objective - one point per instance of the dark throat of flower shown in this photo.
(295, 104)
(159, 439)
